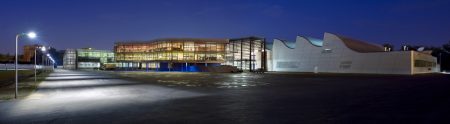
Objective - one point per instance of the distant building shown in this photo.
(339, 54)
(86, 58)
(28, 53)
(69, 59)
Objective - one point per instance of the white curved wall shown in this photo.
(306, 57)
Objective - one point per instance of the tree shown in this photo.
(446, 46)
(388, 46)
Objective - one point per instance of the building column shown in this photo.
(129, 66)
(250, 56)
(242, 53)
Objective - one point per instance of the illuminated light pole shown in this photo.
(35, 60)
(42, 57)
(47, 62)
(30, 35)
(440, 61)
(35, 65)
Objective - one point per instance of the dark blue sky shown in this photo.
(88, 23)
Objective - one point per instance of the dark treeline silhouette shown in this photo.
(9, 59)
(56, 54)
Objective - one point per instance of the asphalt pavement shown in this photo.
(68, 96)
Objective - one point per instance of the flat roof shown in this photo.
(177, 39)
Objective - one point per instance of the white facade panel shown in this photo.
(339, 56)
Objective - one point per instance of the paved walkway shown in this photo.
(75, 96)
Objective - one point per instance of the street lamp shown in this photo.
(43, 49)
(30, 35)
(42, 58)
(50, 61)
(35, 60)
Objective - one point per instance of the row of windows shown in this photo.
(169, 46)
(91, 54)
(169, 56)
(423, 63)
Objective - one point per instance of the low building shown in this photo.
(86, 58)
(189, 54)
(339, 54)
(28, 53)
(69, 59)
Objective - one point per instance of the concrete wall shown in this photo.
(335, 57)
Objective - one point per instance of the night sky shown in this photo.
(88, 23)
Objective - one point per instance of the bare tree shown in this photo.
(388, 46)
(446, 46)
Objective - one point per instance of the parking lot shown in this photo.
(175, 97)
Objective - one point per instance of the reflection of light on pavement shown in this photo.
(71, 93)
(444, 72)
(35, 96)
(95, 99)
(241, 80)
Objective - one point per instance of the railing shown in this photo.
(23, 67)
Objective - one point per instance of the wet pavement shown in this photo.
(90, 97)
(198, 79)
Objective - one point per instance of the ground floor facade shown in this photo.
(164, 66)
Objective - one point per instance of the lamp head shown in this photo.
(31, 35)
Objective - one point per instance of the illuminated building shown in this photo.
(86, 58)
(69, 59)
(246, 53)
(339, 54)
(189, 54)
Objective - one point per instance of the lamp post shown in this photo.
(35, 60)
(440, 61)
(35, 65)
(30, 35)
(48, 62)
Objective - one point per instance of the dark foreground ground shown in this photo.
(89, 97)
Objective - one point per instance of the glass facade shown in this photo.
(86, 58)
(101, 56)
(246, 53)
(69, 60)
(174, 50)
(90, 58)
(184, 53)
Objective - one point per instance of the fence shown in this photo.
(23, 67)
